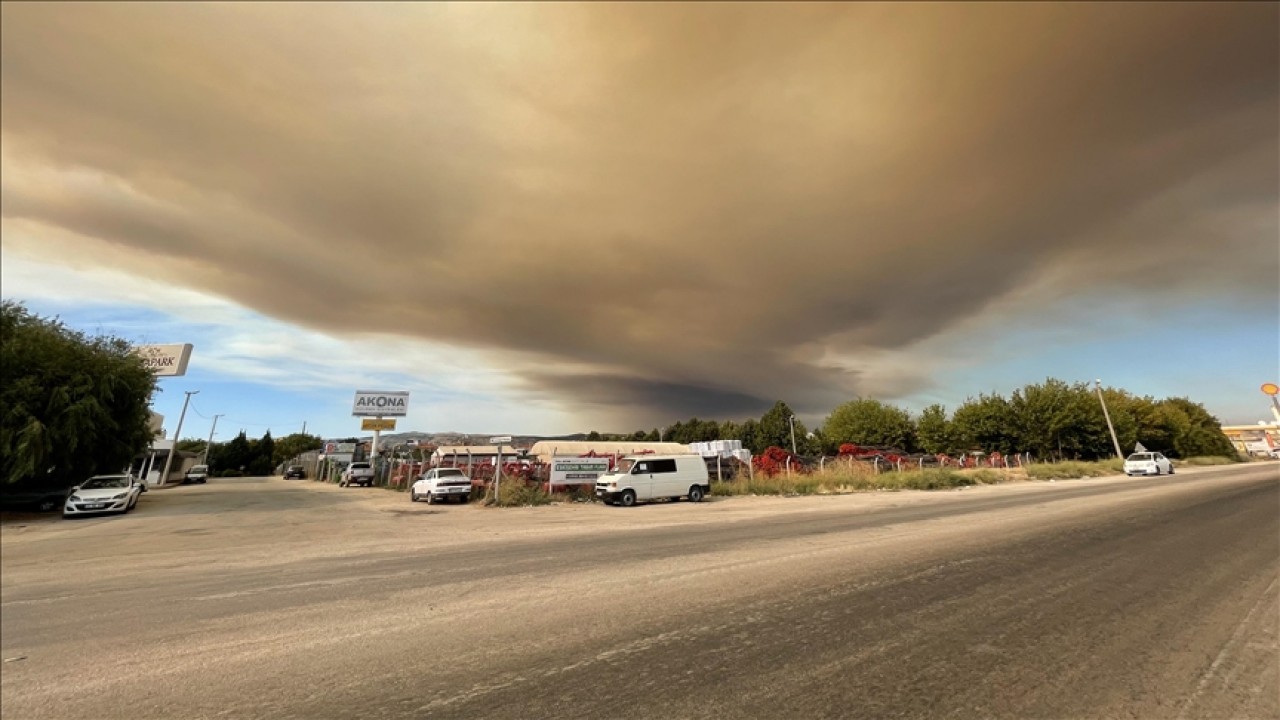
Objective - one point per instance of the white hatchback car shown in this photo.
(1147, 463)
(441, 484)
(104, 494)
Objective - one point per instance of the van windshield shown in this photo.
(623, 467)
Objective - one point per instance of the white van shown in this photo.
(649, 477)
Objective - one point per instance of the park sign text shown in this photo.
(166, 360)
(374, 403)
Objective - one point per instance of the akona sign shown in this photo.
(373, 403)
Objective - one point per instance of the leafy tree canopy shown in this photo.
(70, 405)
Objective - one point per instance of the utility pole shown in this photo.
(304, 427)
(168, 461)
(1114, 440)
(204, 458)
(792, 419)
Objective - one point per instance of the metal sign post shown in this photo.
(497, 463)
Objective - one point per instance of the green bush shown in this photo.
(519, 494)
(1071, 470)
(989, 477)
(1206, 460)
(853, 479)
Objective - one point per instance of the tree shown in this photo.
(774, 429)
(262, 460)
(291, 446)
(1203, 432)
(984, 424)
(593, 436)
(70, 405)
(194, 445)
(933, 431)
(865, 421)
(233, 455)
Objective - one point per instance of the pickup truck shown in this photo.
(197, 474)
(357, 473)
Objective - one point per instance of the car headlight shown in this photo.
(75, 498)
(120, 496)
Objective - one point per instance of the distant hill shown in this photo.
(456, 438)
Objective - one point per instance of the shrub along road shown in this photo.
(272, 599)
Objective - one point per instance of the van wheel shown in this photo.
(627, 498)
(695, 494)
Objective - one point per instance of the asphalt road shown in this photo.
(261, 598)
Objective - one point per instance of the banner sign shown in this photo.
(166, 360)
(378, 424)
(577, 471)
(373, 403)
(337, 448)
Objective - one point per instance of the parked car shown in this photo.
(295, 472)
(33, 498)
(197, 474)
(357, 473)
(104, 494)
(652, 477)
(441, 484)
(1147, 463)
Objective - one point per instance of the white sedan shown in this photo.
(441, 484)
(104, 494)
(1147, 463)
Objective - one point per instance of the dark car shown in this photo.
(295, 472)
(39, 499)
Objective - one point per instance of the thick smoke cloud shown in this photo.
(656, 210)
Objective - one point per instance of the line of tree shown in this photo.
(243, 455)
(71, 405)
(1050, 420)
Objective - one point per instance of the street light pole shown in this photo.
(792, 420)
(168, 461)
(204, 458)
(1114, 440)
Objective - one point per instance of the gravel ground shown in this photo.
(265, 598)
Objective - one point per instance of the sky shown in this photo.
(556, 218)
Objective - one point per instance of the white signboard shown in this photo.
(332, 448)
(166, 360)
(577, 471)
(372, 403)
(500, 440)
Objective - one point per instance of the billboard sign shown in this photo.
(166, 360)
(337, 448)
(577, 471)
(374, 403)
(378, 424)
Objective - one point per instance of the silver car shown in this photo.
(1147, 463)
(104, 494)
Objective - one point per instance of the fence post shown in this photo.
(719, 473)
(788, 466)
(876, 460)
(751, 469)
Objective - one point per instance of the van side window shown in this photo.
(663, 466)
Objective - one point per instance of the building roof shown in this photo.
(474, 450)
(546, 449)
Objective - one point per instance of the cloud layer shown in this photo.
(651, 211)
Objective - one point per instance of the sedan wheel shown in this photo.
(413, 496)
